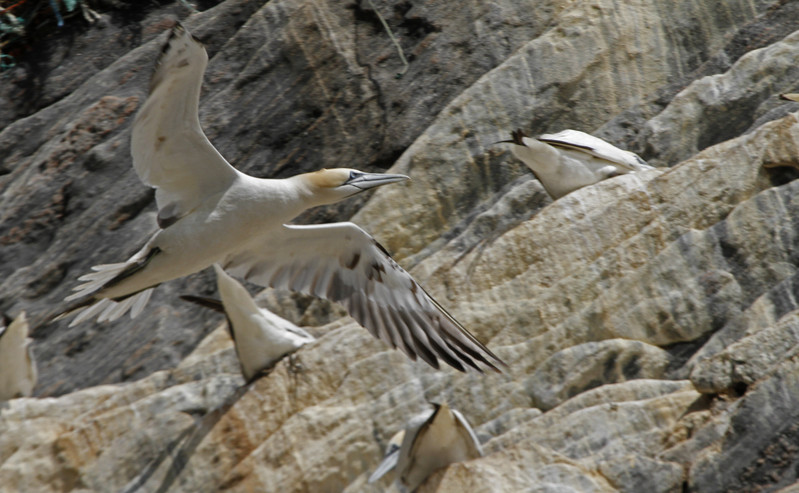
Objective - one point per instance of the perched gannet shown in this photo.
(431, 441)
(570, 159)
(211, 213)
(261, 337)
(17, 367)
(791, 96)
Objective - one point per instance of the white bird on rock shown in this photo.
(17, 367)
(431, 441)
(211, 213)
(261, 338)
(570, 159)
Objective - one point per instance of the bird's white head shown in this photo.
(331, 185)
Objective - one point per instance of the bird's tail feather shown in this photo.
(108, 310)
(101, 276)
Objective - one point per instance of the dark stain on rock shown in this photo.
(631, 369)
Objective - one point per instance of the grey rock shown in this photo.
(586, 366)
(690, 273)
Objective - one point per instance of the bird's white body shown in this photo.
(431, 441)
(261, 337)
(211, 213)
(568, 160)
(227, 222)
(18, 372)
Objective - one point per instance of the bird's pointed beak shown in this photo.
(506, 141)
(517, 137)
(366, 181)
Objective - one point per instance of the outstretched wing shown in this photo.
(574, 139)
(170, 151)
(342, 263)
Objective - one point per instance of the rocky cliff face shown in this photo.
(650, 322)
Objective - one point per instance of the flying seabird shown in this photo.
(261, 337)
(17, 367)
(570, 159)
(432, 440)
(209, 212)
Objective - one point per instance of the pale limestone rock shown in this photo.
(691, 270)
(574, 75)
(758, 448)
(592, 364)
(744, 362)
(528, 467)
(708, 103)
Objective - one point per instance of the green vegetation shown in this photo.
(21, 19)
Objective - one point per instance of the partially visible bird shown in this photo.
(570, 159)
(210, 212)
(261, 338)
(790, 96)
(431, 441)
(391, 455)
(18, 372)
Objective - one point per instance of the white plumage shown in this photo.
(18, 372)
(570, 159)
(261, 338)
(431, 441)
(212, 213)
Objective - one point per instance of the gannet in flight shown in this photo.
(211, 213)
(17, 367)
(570, 159)
(432, 440)
(261, 337)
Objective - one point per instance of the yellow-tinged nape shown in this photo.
(329, 178)
(348, 181)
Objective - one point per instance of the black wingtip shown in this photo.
(517, 136)
(177, 30)
(173, 33)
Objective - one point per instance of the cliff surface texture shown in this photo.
(650, 323)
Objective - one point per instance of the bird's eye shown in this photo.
(355, 174)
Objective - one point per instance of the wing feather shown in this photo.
(342, 263)
(170, 151)
(574, 139)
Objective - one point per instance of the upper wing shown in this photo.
(170, 151)
(342, 263)
(574, 139)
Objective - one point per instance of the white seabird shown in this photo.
(431, 441)
(570, 159)
(210, 212)
(790, 96)
(261, 338)
(17, 367)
